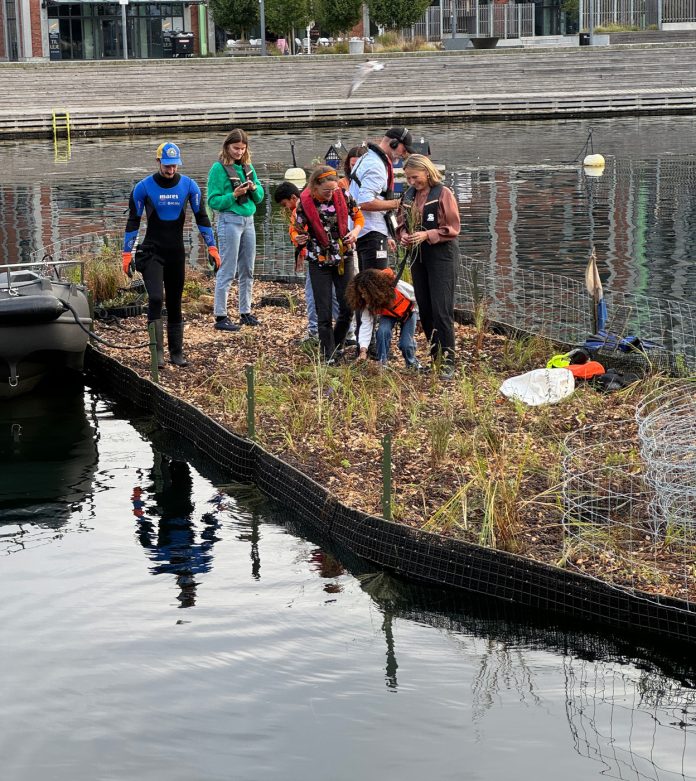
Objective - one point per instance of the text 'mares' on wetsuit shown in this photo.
(164, 201)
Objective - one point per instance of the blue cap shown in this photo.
(169, 154)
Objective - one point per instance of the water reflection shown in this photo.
(291, 675)
(524, 202)
(48, 457)
(635, 722)
(165, 526)
(328, 567)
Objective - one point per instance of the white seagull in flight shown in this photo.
(363, 72)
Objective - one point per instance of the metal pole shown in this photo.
(124, 3)
(386, 477)
(453, 18)
(154, 369)
(581, 16)
(262, 22)
(590, 20)
(251, 403)
(203, 29)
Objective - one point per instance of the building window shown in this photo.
(94, 30)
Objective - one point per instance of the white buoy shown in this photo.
(590, 171)
(295, 175)
(593, 161)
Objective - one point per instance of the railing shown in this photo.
(641, 14)
(12, 274)
(630, 13)
(678, 10)
(478, 20)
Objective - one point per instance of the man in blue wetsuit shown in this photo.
(161, 258)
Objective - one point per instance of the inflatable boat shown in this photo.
(44, 324)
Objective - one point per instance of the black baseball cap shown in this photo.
(401, 134)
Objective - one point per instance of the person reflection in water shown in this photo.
(166, 530)
(328, 567)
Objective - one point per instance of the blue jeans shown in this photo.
(237, 245)
(407, 342)
(312, 324)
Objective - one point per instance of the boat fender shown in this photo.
(30, 310)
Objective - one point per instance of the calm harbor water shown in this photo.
(524, 202)
(158, 623)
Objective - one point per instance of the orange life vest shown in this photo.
(401, 306)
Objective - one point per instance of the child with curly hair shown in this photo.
(375, 292)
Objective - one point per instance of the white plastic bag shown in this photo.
(540, 386)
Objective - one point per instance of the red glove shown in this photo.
(127, 263)
(214, 259)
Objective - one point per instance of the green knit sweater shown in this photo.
(220, 197)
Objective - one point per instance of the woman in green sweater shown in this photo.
(234, 191)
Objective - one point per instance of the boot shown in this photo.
(159, 341)
(175, 340)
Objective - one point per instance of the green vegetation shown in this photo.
(617, 28)
(397, 13)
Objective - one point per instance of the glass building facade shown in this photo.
(94, 31)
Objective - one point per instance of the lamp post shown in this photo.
(262, 22)
(591, 20)
(124, 27)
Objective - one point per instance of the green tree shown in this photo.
(337, 16)
(235, 16)
(397, 13)
(283, 15)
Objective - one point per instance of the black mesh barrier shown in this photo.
(422, 556)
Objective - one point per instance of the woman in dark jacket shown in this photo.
(428, 227)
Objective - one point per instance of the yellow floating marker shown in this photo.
(593, 161)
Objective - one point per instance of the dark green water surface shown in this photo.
(158, 623)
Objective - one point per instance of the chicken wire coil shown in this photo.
(604, 493)
(614, 523)
(666, 421)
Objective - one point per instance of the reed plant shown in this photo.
(103, 277)
(440, 429)
(527, 352)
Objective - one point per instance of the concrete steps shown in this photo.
(142, 95)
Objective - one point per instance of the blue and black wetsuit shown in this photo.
(161, 257)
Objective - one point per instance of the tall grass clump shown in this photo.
(103, 277)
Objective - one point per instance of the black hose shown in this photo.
(70, 308)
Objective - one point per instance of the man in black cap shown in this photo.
(372, 186)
